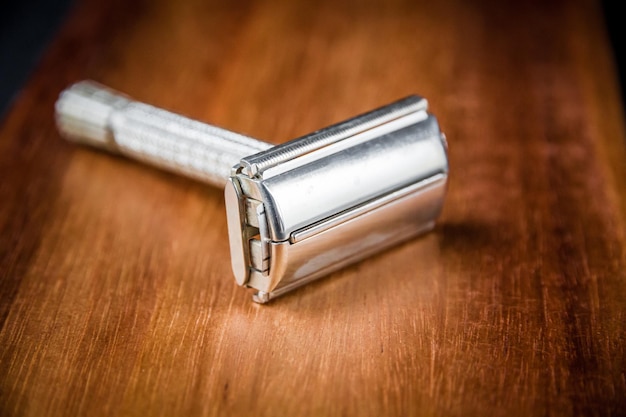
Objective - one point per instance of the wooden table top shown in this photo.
(116, 295)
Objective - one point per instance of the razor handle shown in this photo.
(296, 211)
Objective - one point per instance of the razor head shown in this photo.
(306, 208)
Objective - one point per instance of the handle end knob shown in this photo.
(83, 112)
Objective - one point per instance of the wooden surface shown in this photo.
(116, 296)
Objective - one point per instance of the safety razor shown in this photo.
(296, 211)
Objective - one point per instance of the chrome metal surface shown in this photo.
(254, 165)
(393, 156)
(91, 114)
(237, 231)
(339, 195)
(345, 216)
(297, 211)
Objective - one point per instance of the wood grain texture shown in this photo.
(116, 296)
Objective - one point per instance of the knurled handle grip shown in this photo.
(94, 115)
